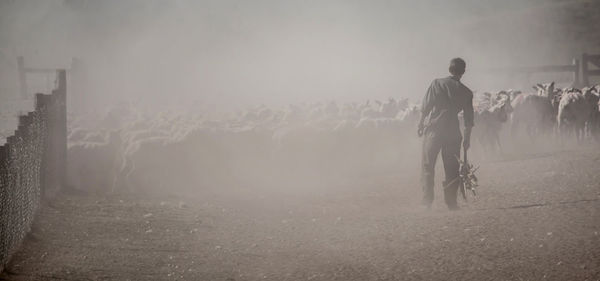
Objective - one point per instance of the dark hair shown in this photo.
(457, 66)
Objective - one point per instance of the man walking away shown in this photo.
(438, 125)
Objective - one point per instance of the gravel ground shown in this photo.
(537, 217)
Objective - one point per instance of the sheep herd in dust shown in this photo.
(128, 148)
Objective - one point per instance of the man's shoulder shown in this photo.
(441, 80)
(434, 82)
(465, 89)
(446, 81)
(451, 81)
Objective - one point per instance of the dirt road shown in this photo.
(537, 218)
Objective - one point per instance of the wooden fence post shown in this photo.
(576, 67)
(77, 86)
(61, 138)
(585, 78)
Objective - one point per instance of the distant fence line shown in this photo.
(32, 166)
(580, 69)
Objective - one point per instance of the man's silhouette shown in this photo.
(445, 98)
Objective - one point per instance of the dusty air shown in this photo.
(299, 140)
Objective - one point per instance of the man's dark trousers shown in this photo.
(449, 144)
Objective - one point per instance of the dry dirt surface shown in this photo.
(537, 217)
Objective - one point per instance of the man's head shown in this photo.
(457, 67)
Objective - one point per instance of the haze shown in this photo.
(228, 54)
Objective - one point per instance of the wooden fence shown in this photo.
(77, 75)
(579, 68)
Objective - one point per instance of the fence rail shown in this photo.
(32, 166)
(581, 68)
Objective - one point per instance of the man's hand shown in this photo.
(420, 129)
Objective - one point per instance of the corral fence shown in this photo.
(586, 70)
(32, 166)
(580, 70)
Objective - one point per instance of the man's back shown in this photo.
(444, 99)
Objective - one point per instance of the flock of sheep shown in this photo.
(128, 148)
(559, 114)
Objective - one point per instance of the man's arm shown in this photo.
(468, 115)
(426, 107)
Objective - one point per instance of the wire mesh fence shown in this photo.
(32, 165)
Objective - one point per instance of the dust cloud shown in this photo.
(253, 89)
(277, 140)
(230, 54)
